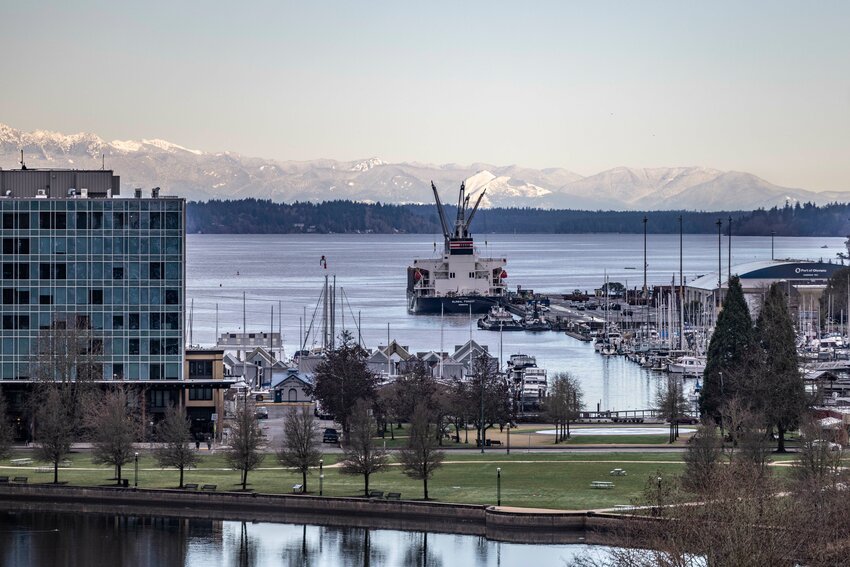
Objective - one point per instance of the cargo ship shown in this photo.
(459, 280)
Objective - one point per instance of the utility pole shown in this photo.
(772, 234)
(729, 254)
(681, 286)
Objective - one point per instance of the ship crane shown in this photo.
(463, 221)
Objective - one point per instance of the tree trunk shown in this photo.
(366, 485)
(780, 448)
(181, 477)
(304, 481)
(425, 487)
(119, 473)
(244, 479)
(56, 472)
(568, 429)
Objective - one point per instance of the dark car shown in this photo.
(331, 436)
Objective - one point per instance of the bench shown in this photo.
(4, 479)
(393, 495)
(209, 487)
(493, 442)
(20, 480)
(618, 472)
(190, 486)
(21, 462)
(601, 484)
(376, 494)
(297, 488)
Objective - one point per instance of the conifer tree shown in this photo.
(729, 352)
(780, 390)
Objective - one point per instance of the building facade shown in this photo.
(204, 395)
(76, 256)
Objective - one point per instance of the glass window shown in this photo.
(155, 296)
(156, 245)
(156, 220)
(172, 270)
(118, 273)
(96, 220)
(172, 245)
(155, 325)
(156, 346)
(172, 371)
(171, 297)
(172, 221)
(172, 321)
(117, 322)
(171, 346)
(133, 346)
(134, 321)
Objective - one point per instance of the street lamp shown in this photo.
(498, 486)
(136, 477)
(321, 476)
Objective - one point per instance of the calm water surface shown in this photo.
(42, 539)
(284, 270)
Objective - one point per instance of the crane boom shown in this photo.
(441, 212)
(474, 209)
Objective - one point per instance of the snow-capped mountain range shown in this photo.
(199, 175)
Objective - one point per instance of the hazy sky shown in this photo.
(762, 87)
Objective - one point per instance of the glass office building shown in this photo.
(111, 267)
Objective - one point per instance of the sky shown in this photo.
(762, 87)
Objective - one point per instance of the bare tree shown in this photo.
(67, 356)
(54, 429)
(671, 404)
(563, 404)
(703, 458)
(246, 440)
(5, 428)
(420, 458)
(175, 442)
(362, 455)
(818, 458)
(114, 426)
(301, 448)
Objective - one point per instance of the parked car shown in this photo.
(331, 436)
(262, 412)
(830, 446)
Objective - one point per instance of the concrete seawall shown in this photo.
(501, 524)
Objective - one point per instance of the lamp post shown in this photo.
(498, 486)
(136, 477)
(321, 476)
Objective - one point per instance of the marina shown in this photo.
(288, 277)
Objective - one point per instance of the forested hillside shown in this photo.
(253, 216)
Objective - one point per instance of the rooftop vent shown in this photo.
(138, 191)
(72, 192)
(155, 193)
(41, 194)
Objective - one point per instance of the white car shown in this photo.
(830, 446)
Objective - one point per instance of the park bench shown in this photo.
(618, 472)
(19, 480)
(376, 494)
(601, 484)
(190, 486)
(297, 488)
(393, 495)
(209, 488)
(494, 442)
(21, 462)
(4, 479)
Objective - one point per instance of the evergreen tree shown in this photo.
(341, 379)
(780, 391)
(728, 352)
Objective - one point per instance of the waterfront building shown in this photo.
(108, 270)
(257, 369)
(804, 282)
(204, 394)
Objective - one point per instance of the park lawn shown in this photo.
(530, 480)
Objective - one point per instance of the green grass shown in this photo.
(535, 480)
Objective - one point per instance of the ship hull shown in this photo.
(448, 305)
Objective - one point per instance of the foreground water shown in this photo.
(283, 272)
(37, 539)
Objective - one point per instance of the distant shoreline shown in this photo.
(253, 216)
